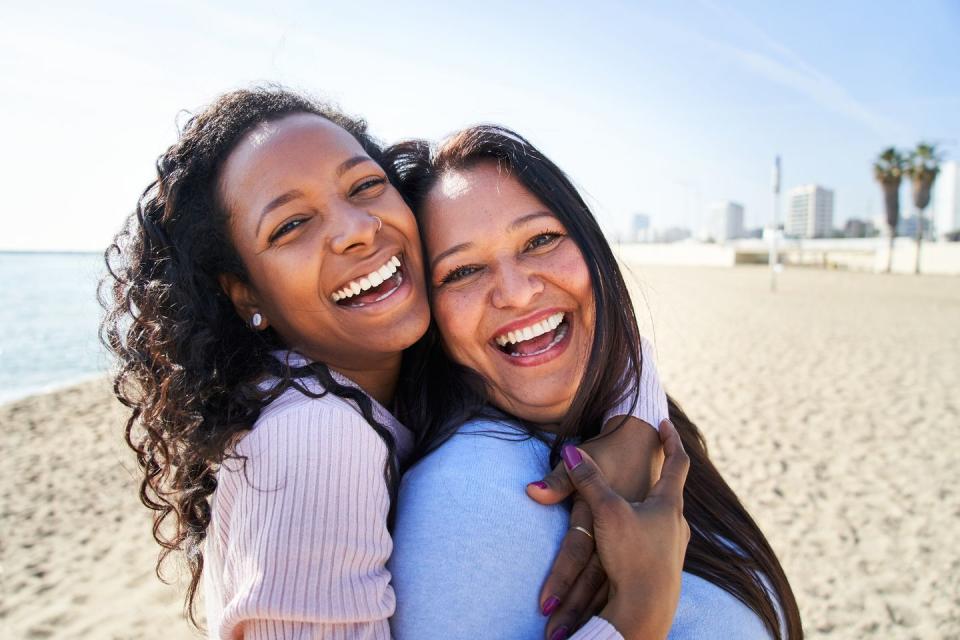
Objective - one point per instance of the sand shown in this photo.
(832, 407)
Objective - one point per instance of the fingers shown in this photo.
(555, 487)
(588, 480)
(574, 555)
(577, 605)
(600, 599)
(676, 464)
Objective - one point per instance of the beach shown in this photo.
(831, 406)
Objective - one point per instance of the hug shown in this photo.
(400, 391)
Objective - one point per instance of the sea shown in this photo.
(49, 320)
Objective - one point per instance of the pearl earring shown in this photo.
(257, 320)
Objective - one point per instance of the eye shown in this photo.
(286, 228)
(544, 239)
(459, 273)
(369, 186)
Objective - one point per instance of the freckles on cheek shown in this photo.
(458, 323)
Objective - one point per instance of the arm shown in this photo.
(629, 453)
(304, 541)
(470, 547)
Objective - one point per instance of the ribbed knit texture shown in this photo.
(651, 404)
(298, 543)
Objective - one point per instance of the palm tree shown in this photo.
(888, 171)
(923, 166)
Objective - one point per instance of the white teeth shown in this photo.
(373, 279)
(533, 331)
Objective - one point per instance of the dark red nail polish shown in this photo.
(561, 633)
(551, 605)
(571, 457)
(539, 484)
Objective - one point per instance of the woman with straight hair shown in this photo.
(510, 245)
(259, 303)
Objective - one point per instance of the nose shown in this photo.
(355, 230)
(515, 287)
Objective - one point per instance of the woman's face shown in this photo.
(512, 293)
(304, 198)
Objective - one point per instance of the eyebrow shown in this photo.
(522, 220)
(513, 226)
(293, 194)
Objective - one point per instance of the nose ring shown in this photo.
(379, 223)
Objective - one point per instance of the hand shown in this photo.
(641, 545)
(576, 589)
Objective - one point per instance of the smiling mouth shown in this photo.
(535, 340)
(376, 286)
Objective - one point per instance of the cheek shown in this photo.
(458, 316)
(573, 276)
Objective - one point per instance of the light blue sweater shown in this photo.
(471, 550)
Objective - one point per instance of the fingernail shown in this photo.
(539, 484)
(551, 605)
(571, 457)
(560, 634)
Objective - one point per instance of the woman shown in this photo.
(509, 241)
(264, 292)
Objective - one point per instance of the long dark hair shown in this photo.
(437, 395)
(188, 367)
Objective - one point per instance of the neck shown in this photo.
(378, 379)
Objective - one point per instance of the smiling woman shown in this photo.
(256, 383)
(531, 308)
(525, 261)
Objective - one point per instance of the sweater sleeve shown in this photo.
(303, 543)
(651, 401)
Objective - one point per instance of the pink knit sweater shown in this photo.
(298, 544)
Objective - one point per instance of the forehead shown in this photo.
(483, 195)
(273, 155)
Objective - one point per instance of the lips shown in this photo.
(373, 287)
(535, 340)
(372, 280)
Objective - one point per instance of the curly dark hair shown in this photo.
(189, 368)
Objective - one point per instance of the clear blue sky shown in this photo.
(660, 107)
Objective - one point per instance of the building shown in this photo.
(946, 199)
(640, 228)
(855, 228)
(908, 226)
(671, 234)
(809, 212)
(725, 221)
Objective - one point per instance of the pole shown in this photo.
(775, 231)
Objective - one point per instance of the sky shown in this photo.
(653, 107)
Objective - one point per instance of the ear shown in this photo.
(244, 299)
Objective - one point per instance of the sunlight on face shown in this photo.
(512, 293)
(304, 201)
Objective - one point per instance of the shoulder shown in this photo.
(298, 419)
(706, 610)
(484, 452)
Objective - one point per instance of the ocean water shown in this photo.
(49, 318)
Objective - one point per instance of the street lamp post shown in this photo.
(775, 231)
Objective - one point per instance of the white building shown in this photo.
(725, 221)
(640, 230)
(946, 199)
(809, 212)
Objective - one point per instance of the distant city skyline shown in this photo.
(658, 108)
